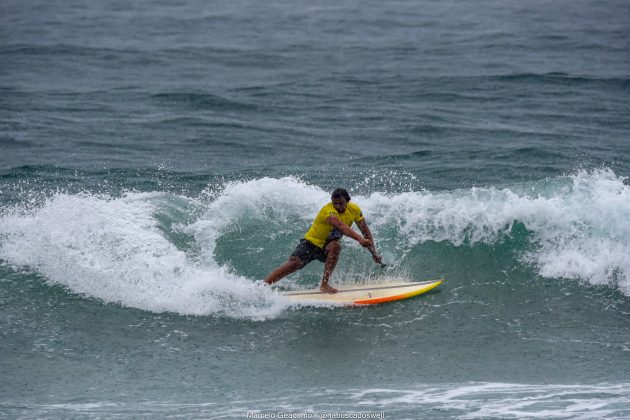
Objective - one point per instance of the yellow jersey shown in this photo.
(320, 229)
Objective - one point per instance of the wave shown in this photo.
(129, 249)
(564, 79)
(8, 142)
(577, 222)
(114, 250)
(202, 101)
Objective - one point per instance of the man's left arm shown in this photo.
(365, 230)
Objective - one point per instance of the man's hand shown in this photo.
(377, 258)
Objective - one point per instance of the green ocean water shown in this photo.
(160, 159)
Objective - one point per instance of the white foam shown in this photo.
(112, 249)
(473, 400)
(499, 400)
(579, 223)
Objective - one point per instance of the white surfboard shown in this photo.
(369, 294)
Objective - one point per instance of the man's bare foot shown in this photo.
(327, 288)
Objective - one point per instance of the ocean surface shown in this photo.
(159, 158)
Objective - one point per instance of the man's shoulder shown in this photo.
(354, 206)
(329, 209)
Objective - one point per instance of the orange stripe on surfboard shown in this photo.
(398, 297)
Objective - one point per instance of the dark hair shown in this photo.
(339, 193)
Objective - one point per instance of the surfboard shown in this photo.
(369, 294)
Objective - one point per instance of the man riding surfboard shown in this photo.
(321, 242)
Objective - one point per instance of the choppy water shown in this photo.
(159, 159)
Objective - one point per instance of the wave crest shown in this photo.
(121, 250)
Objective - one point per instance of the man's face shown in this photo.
(339, 204)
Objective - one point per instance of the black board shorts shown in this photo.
(307, 252)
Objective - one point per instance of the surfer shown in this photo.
(321, 242)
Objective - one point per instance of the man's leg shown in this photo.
(291, 266)
(332, 256)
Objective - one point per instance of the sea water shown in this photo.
(159, 159)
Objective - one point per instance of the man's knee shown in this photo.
(333, 247)
(295, 263)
